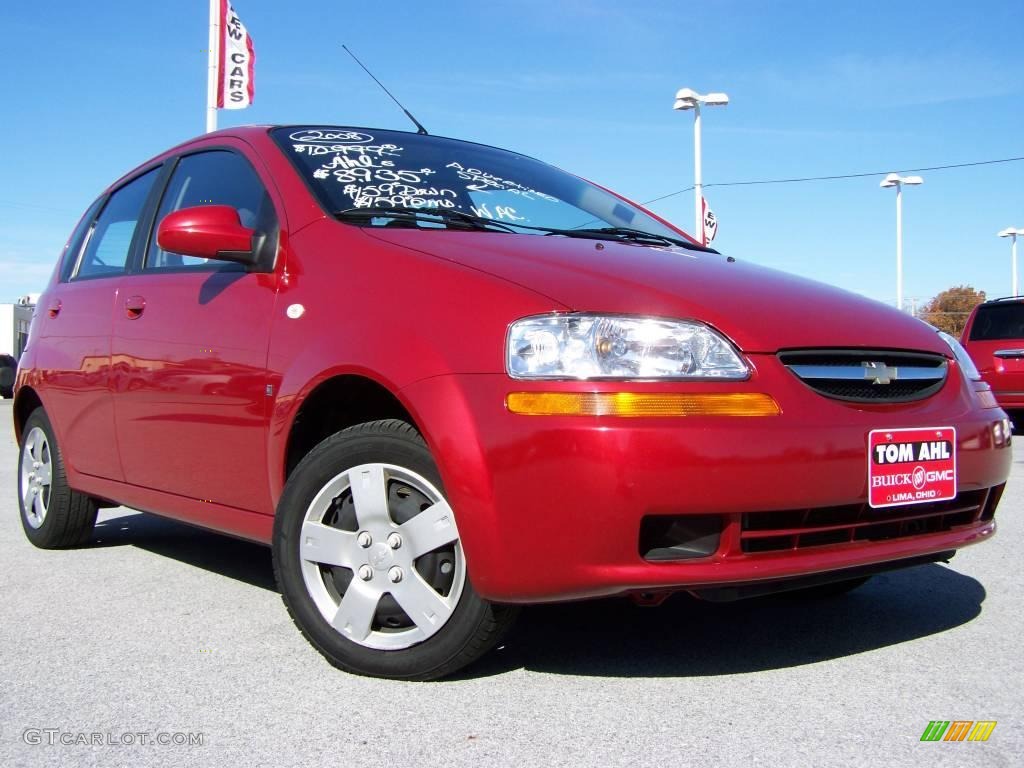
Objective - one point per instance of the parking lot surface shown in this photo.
(157, 632)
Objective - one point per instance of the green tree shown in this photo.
(949, 310)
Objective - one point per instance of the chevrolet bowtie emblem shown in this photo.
(879, 373)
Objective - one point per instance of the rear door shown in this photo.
(75, 319)
(996, 343)
(190, 345)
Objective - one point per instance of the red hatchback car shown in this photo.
(443, 379)
(994, 338)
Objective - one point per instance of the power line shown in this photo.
(837, 176)
(670, 194)
(711, 184)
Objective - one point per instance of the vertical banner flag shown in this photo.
(235, 86)
(710, 222)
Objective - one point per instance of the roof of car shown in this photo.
(1003, 299)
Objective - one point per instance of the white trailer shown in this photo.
(14, 323)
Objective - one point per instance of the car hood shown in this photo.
(760, 309)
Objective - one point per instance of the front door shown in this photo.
(190, 350)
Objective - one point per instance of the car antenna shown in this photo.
(419, 126)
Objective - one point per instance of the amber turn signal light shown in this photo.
(642, 404)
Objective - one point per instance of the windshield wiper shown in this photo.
(447, 216)
(451, 217)
(636, 236)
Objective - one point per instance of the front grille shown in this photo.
(853, 523)
(868, 376)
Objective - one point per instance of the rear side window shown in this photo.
(109, 243)
(999, 321)
(74, 246)
(212, 178)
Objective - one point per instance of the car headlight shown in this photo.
(963, 359)
(581, 346)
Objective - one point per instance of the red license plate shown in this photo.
(911, 466)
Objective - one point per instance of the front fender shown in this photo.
(353, 304)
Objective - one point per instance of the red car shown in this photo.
(442, 379)
(994, 338)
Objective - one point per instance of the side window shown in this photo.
(109, 242)
(74, 246)
(212, 178)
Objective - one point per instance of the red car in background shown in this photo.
(443, 379)
(994, 338)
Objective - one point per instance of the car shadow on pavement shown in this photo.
(215, 552)
(686, 637)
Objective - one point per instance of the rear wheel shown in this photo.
(369, 560)
(52, 514)
(1017, 419)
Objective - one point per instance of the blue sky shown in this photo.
(92, 89)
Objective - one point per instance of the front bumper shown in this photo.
(550, 508)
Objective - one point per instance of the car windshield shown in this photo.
(999, 321)
(357, 170)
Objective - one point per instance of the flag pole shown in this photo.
(211, 73)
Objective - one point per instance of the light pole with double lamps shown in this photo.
(1012, 232)
(895, 180)
(687, 98)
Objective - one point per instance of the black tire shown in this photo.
(1017, 420)
(8, 372)
(825, 591)
(474, 625)
(69, 515)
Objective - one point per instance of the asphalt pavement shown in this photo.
(157, 632)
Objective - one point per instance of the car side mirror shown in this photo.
(209, 232)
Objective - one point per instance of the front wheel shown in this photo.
(369, 560)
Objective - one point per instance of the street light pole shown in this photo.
(899, 246)
(687, 98)
(698, 186)
(1013, 259)
(895, 180)
(1012, 233)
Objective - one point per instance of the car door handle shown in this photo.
(134, 307)
(55, 308)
